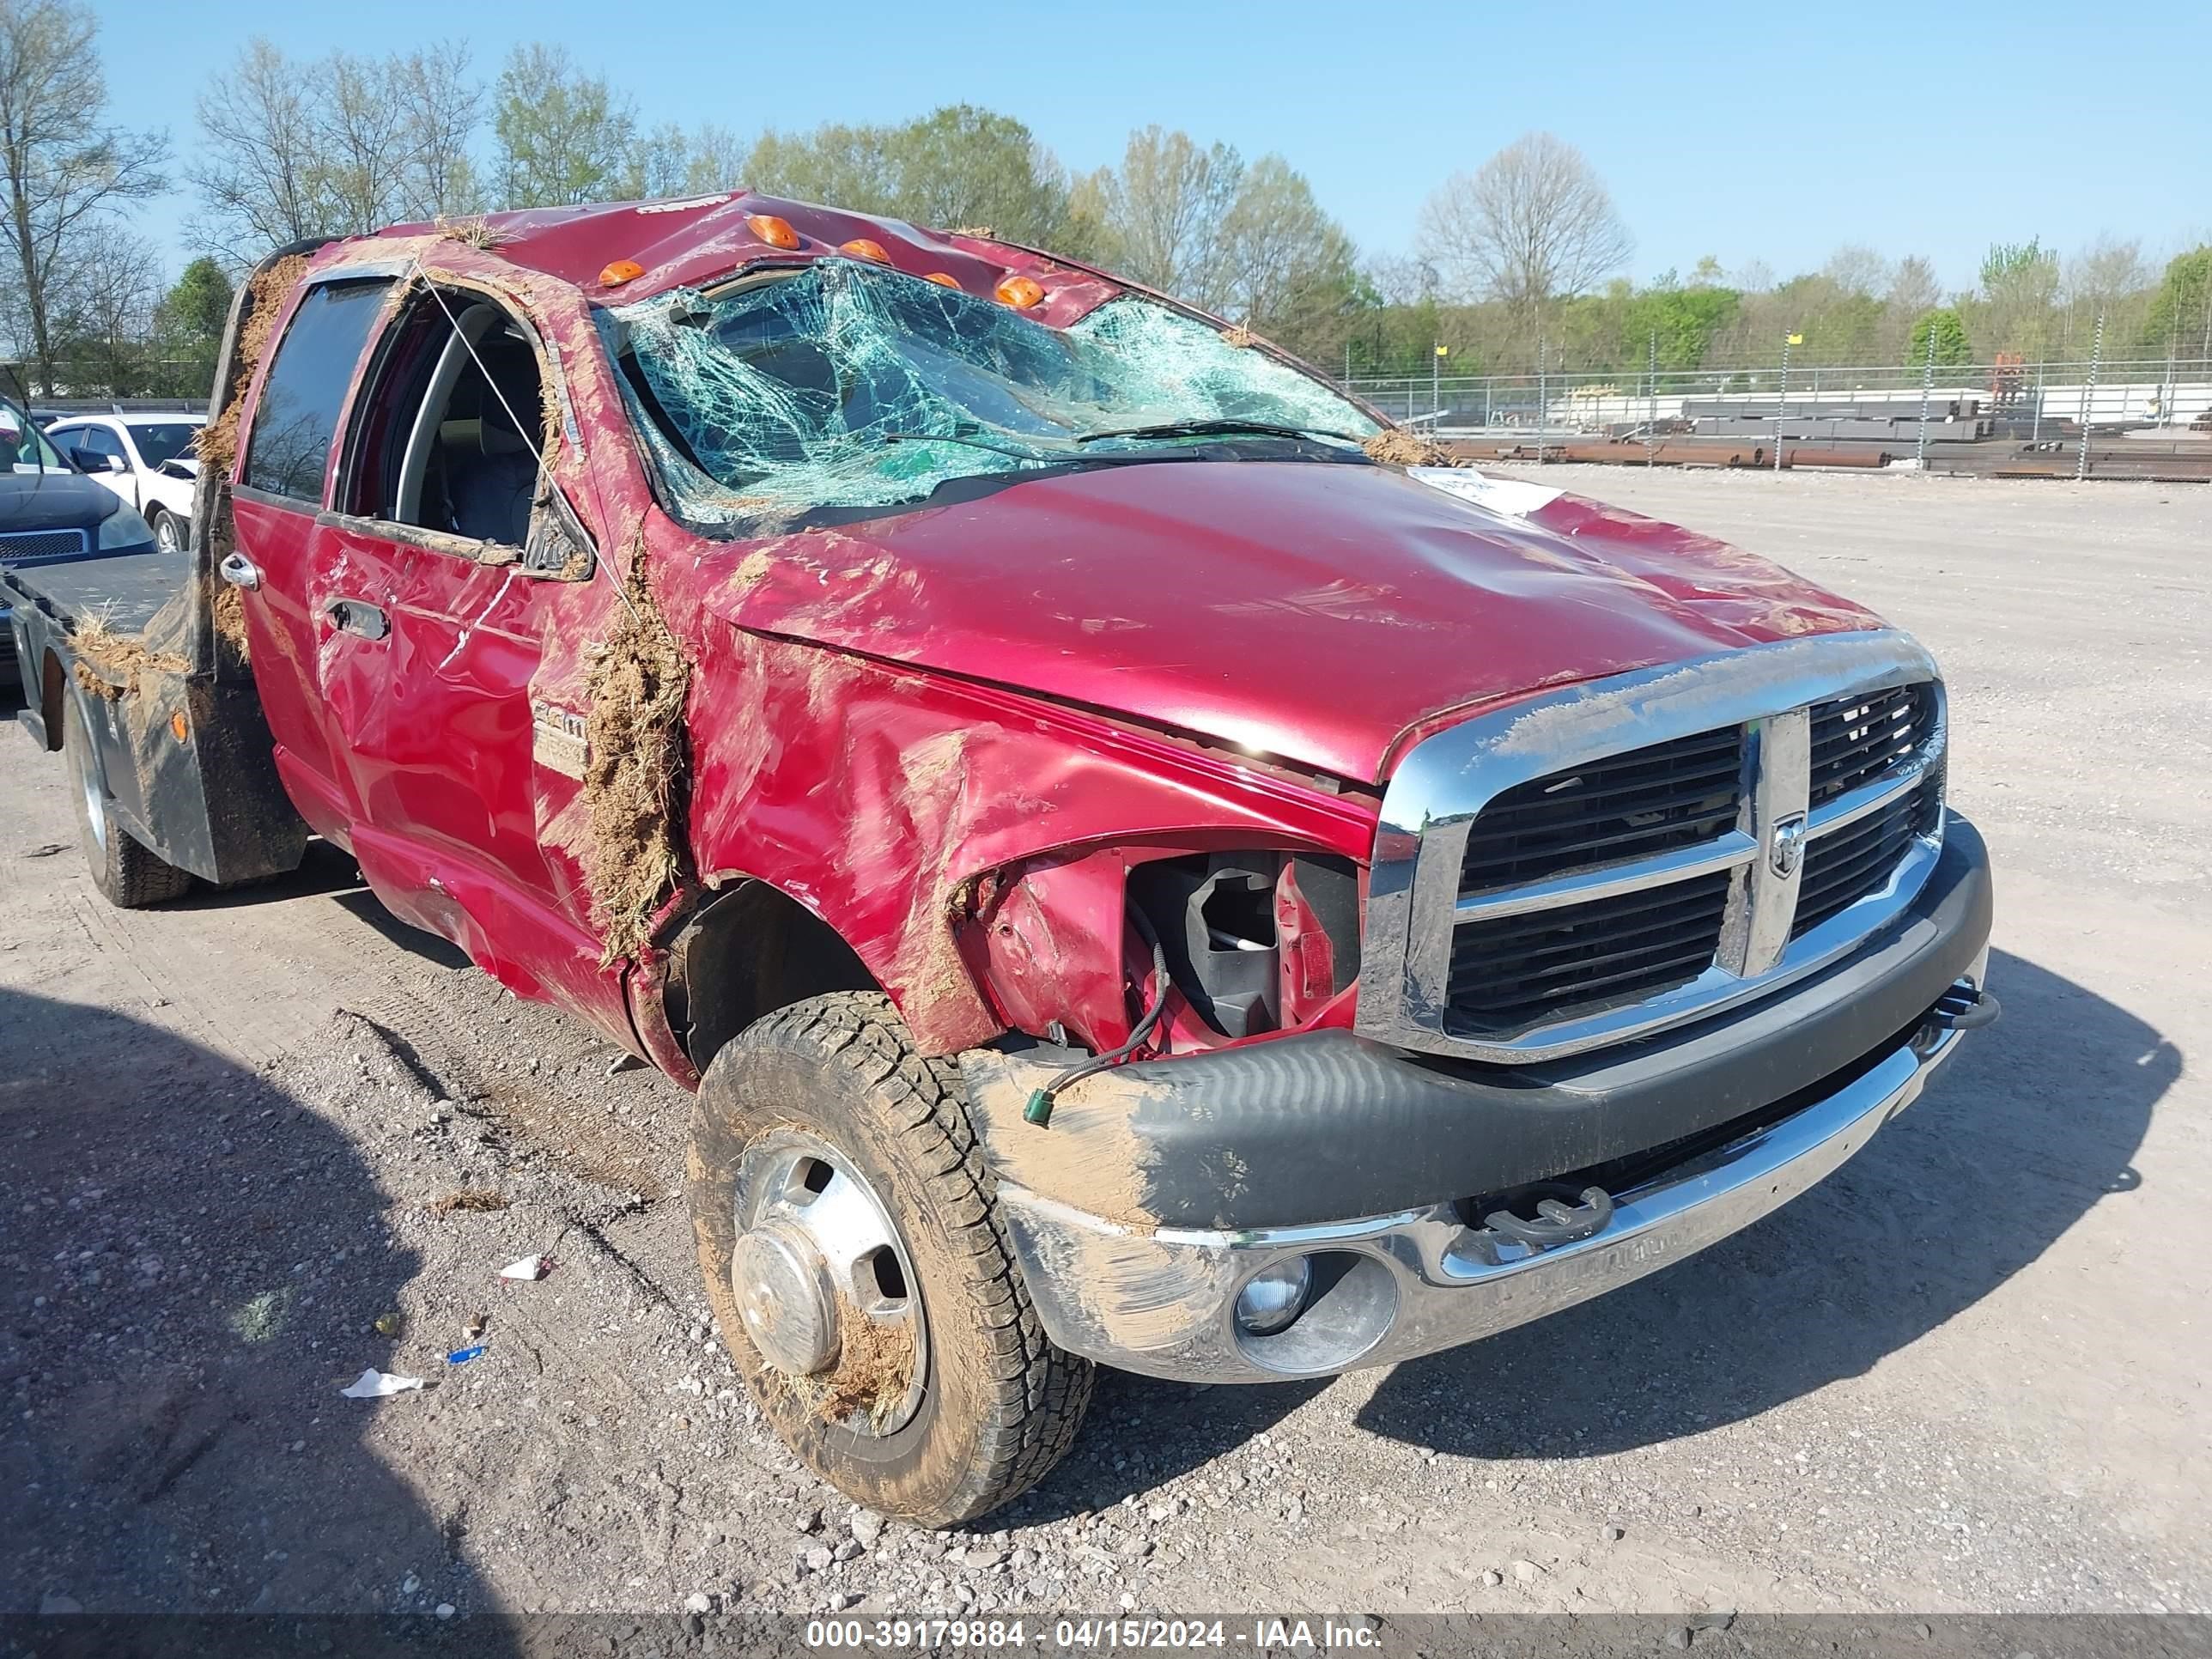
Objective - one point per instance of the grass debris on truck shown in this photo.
(1137, 863)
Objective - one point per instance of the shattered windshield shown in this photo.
(846, 384)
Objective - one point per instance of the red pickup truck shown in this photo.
(1138, 864)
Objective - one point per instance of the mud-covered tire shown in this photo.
(1001, 1404)
(129, 876)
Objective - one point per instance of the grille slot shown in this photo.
(1513, 972)
(1844, 866)
(1856, 739)
(32, 546)
(1674, 794)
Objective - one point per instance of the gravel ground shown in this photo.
(245, 1140)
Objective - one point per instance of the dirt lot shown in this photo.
(1967, 1373)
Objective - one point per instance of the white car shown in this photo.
(147, 459)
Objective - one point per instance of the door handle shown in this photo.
(359, 616)
(239, 571)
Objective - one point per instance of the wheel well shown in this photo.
(748, 953)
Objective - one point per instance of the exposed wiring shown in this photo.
(1039, 1109)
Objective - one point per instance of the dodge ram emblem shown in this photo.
(1787, 850)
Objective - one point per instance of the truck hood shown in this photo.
(1313, 611)
(52, 499)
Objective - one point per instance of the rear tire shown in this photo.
(999, 1404)
(129, 875)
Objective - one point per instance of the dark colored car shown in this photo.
(50, 512)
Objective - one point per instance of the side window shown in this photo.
(450, 433)
(100, 442)
(297, 417)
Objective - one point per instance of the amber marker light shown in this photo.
(776, 233)
(861, 248)
(1019, 292)
(620, 271)
(942, 279)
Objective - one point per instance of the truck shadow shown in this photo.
(2028, 1128)
(197, 1263)
(327, 871)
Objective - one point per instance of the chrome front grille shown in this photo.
(1624, 806)
(1856, 739)
(1596, 863)
(1843, 867)
(1511, 972)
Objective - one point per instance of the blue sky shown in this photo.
(1765, 132)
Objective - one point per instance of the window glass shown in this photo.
(100, 442)
(31, 452)
(848, 384)
(289, 448)
(161, 441)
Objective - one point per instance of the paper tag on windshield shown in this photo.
(1510, 498)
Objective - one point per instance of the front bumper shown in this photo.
(1393, 1287)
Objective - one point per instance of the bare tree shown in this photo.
(260, 175)
(1913, 286)
(660, 162)
(1289, 264)
(717, 161)
(342, 145)
(65, 174)
(1858, 270)
(443, 108)
(1165, 211)
(1533, 223)
(362, 128)
(103, 311)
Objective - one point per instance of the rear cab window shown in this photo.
(287, 450)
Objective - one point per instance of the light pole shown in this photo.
(1782, 396)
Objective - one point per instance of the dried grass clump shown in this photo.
(634, 767)
(108, 663)
(875, 1368)
(472, 230)
(1396, 447)
(1239, 336)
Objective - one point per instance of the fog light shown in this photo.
(1273, 1297)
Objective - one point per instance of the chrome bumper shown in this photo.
(1393, 1287)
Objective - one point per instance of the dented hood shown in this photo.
(1317, 612)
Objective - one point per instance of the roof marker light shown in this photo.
(776, 233)
(1019, 291)
(942, 279)
(617, 272)
(861, 248)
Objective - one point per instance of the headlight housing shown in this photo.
(124, 528)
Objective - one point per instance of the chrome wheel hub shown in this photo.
(824, 1284)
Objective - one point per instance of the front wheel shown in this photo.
(129, 875)
(861, 1279)
(169, 530)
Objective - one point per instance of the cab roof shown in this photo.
(692, 241)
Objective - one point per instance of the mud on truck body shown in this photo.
(1140, 862)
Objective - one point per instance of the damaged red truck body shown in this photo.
(1142, 863)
